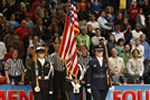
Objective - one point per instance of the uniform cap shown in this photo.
(99, 48)
(38, 49)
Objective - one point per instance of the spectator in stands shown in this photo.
(126, 30)
(96, 6)
(3, 20)
(39, 29)
(95, 39)
(102, 21)
(118, 20)
(136, 33)
(24, 4)
(58, 15)
(47, 37)
(2, 54)
(5, 9)
(5, 30)
(28, 39)
(117, 65)
(23, 30)
(133, 13)
(46, 17)
(90, 31)
(56, 41)
(53, 7)
(118, 34)
(120, 46)
(82, 21)
(13, 23)
(110, 16)
(18, 45)
(19, 15)
(29, 62)
(53, 25)
(94, 23)
(88, 12)
(126, 56)
(146, 9)
(83, 38)
(140, 18)
(35, 40)
(29, 22)
(52, 16)
(123, 5)
(60, 5)
(30, 12)
(7, 56)
(48, 4)
(135, 64)
(139, 47)
(62, 21)
(111, 44)
(9, 38)
(82, 5)
(14, 68)
(36, 4)
(39, 11)
(146, 52)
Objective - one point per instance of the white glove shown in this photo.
(50, 92)
(89, 90)
(76, 88)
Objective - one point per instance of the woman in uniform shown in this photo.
(40, 75)
(96, 75)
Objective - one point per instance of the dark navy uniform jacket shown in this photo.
(43, 71)
(96, 75)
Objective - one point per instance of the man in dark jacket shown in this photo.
(39, 28)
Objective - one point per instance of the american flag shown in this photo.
(68, 51)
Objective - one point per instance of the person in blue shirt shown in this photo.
(13, 23)
(110, 16)
(146, 52)
(96, 6)
(96, 75)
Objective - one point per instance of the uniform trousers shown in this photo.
(98, 94)
(42, 95)
(58, 82)
(73, 96)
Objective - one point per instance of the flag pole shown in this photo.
(107, 62)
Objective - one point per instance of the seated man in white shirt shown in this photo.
(95, 39)
(94, 23)
(102, 21)
(103, 24)
(139, 47)
(117, 33)
(136, 33)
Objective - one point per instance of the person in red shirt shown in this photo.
(133, 12)
(23, 30)
(30, 12)
(36, 4)
(10, 49)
